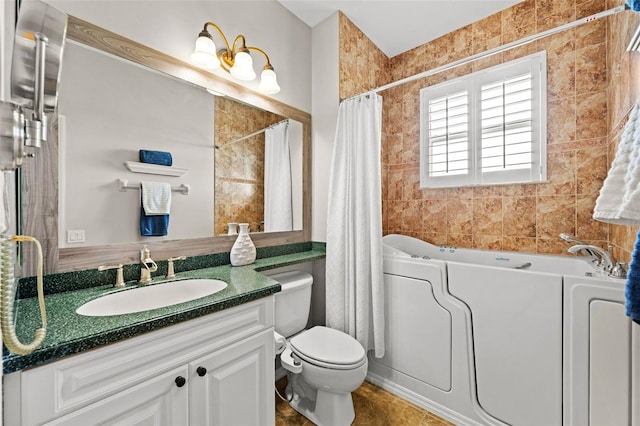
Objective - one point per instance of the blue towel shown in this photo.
(634, 5)
(153, 226)
(632, 289)
(161, 158)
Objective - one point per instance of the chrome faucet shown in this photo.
(605, 260)
(573, 239)
(147, 266)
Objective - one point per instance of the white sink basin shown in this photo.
(155, 296)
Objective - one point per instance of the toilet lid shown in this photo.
(323, 345)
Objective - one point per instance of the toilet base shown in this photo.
(321, 407)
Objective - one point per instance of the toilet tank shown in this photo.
(292, 302)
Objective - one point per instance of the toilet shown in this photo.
(323, 365)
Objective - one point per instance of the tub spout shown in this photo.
(573, 239)
(605, 260)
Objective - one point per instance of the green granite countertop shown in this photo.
(69, 333)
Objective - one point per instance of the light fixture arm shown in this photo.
(227, 56)
(268, 64)
(205, 33)
(239, 37)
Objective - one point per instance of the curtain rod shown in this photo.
(257, 132)
(493, 51)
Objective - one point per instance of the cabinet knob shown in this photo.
(180, 381)
(201, 371)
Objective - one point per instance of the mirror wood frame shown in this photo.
(39, 196)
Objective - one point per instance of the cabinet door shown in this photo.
(159, 401)
(237, 387)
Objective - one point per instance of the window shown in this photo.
(486, 128)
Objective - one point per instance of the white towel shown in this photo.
(619, 199)
(156, 198)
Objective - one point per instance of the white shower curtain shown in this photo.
(278, 213)
(354, 280)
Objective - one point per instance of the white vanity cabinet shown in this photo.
(157, 401)
(213, 370)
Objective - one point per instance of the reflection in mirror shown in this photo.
(93, 151)
(111, 108)
(251, 177)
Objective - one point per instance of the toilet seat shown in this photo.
(328, 348)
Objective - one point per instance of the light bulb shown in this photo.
(242, 68)
(204, 54)
(269, 82)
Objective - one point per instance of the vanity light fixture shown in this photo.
(236, 60)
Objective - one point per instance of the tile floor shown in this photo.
(374, 406)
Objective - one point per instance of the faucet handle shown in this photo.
(170, 271)
(119, 274)
(619, 270)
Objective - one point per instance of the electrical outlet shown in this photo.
(75, 236)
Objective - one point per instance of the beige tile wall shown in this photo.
(624, 89)
(239, 167)
(589, 87)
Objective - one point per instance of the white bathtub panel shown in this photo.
(609, 364)
(579, 295)
(517, 336)
(458, 405)
(424, 353)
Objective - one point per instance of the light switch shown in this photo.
(75, 236)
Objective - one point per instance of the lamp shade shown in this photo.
(242, 68)
(269, 82)
(204, 54)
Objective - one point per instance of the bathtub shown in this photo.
(494, 338)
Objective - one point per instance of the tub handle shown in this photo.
(415, 256)
(523, 266)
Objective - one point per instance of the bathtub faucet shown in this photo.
(605, 260)
(573, 239)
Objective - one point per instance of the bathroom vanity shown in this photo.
(216, 370)
(209, 361)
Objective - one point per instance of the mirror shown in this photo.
(241, 169)
(110, 107)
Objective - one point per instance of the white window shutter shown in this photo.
(486, 128)
(446, 155)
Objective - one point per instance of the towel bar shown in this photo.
(124, 186)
